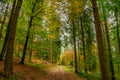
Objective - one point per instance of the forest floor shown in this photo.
(58, 73)
(42, 72)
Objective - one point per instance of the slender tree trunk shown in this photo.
(4, 19)
(26, 42)
(78, 55)
(118, 36)
(8, 65)
(28, 35)
(71, 57)
(100, 42)
(109, 52)
(89, 53)
(18, 52)
(74, 40)
(30, 56)
(83, 44)
(51, 51)
(7, 33)
(109, 44)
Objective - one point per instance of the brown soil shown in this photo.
(58, 73)
(27, 72)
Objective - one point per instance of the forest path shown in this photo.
(55, 72)
(58, 73)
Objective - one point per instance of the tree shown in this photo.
(75, 9)
(28, 33)
(117, 32)
(83, 43)
(88, 39)
(108, 42)
(7, 33)
(8, 65)
(100, 42)
(74, 42)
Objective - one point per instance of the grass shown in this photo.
(87, 76)
(68, 69)
(90, 76)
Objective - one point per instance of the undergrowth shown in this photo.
(66, 68)
(40, 66)
(88, 76)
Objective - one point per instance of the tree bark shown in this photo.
(30, 55)
(83, 44)
(7, 33)
(74, 40)
(18, 51)
(108, 44)
(78, 46)
(8, 65)
(26, 42)
(118, 36)
(28, 34)
(100, 42)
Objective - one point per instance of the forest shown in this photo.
(59, 39)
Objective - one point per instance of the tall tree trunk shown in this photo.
(18, 51)
(51, 51)
(89, 52)
(118, 36)
(83, 44)
(30, 56)
(108, 43)
(100, 42)
(26, 42)
(7, 33)
(28, 34)
(8, 65)
(78, 54)
(74, 40)
(4, 19)
(71, 57)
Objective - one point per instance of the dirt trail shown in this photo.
(58, 73)
(26, 72)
